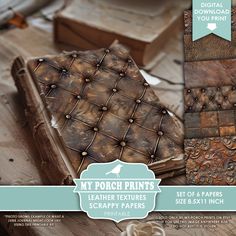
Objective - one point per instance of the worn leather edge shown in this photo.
(49, 148)
(170, 167)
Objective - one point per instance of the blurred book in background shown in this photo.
(144, 26)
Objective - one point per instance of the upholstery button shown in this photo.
(196, 99)
(138, 101)
(122, 74)
(233, 88)
(68, 116)
(40, 60)
(204, 106)
(203, 90)
(189, 91)
(114, 90)
(164, 112)
(122, 143)
(107, 50)
(104, 108)
(190, 108)
(153, 157)
(131, 120)
(160, 133)
(64, 71)
(219, 106)
(53, 86)
(95, 129)
(87, 80)
(84, 153)
(234, 104)
(146, 84)
(129, 60)
(218, 88)
(78, 97)
(74, 55)
(98, 65)
(225, 98)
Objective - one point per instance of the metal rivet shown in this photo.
(40, 59)
(87, 80)
(107, 50)
(123, 143)
(64, 70)
(131, 120)
(114, 90)
(164, 112)
(122, 74)
(160, 133)
(53, 86)
(104, 108)
(68, 116)
(95, 129)
(84, 153)
(146, 84)
(138, 101)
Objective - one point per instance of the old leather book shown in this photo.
(210, 122)
(95, 106)
(144, 27)
(210, 46)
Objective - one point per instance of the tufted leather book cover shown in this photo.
(95, 106)
(210, 122)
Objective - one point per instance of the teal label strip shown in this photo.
(63, 198)
(211, 17)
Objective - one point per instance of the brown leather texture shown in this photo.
(210, 113)
(211, 73)
(210, 124)
(210, 99)
(211, 161)
(104, 109)
(210, 46)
